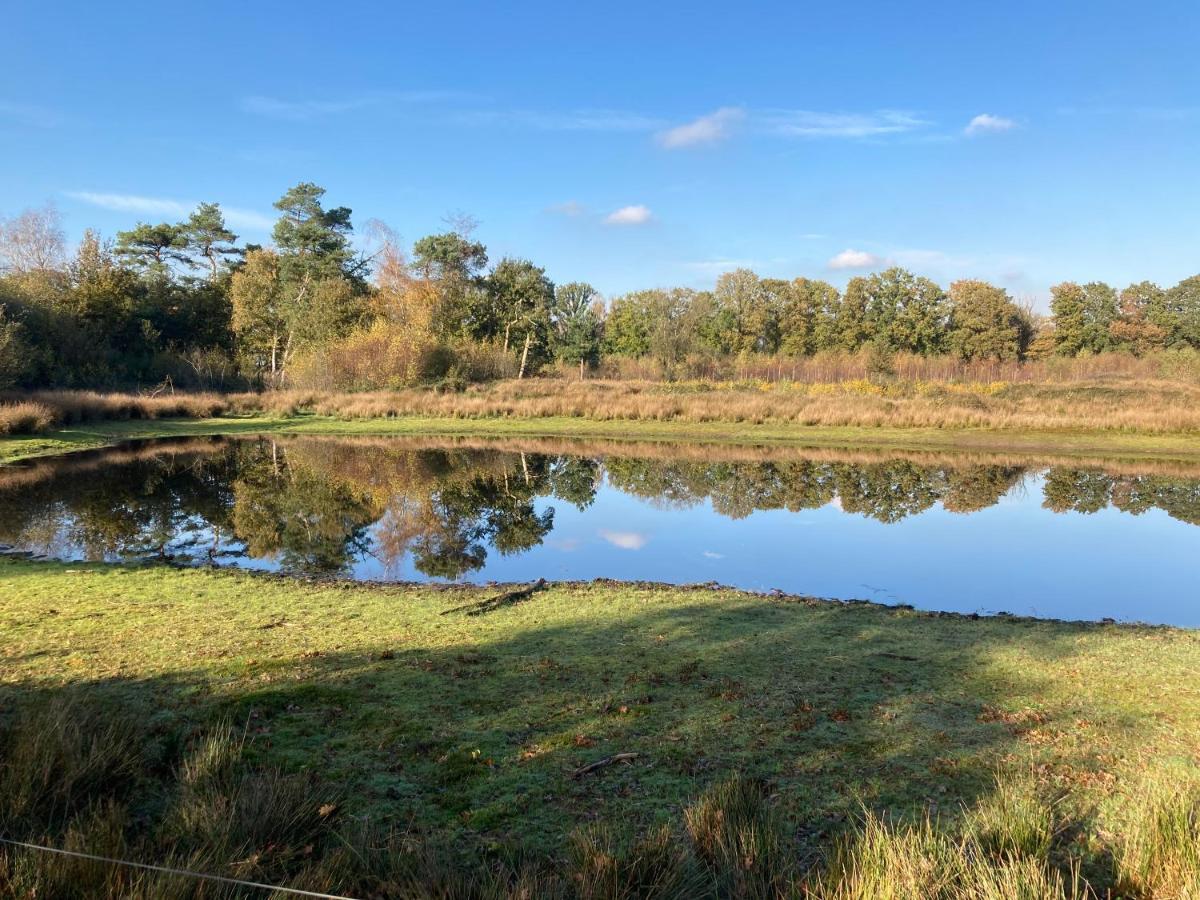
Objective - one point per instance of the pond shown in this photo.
(986, 534)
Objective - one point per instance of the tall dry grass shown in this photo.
(60, 408)
(836, 366)
(1125, 403)
(1155, 407)
(25, 417)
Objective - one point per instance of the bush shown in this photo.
(435, 362)
(26, 418)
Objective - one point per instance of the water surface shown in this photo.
(984, 534)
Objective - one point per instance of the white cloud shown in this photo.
(247, 218)
(855, 259)
(299, 110)
(986, 123)
(163, 206)
(304, 110)
(704, 130)
(134, 203)
(809, 124)
(592, 120)
(571, 209)
(629, 215)
(626, 540)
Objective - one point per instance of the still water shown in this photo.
(981, 534)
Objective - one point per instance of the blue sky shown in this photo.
(637, 144)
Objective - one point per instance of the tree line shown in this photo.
(187, 301)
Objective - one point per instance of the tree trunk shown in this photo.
(525, 355)
(581, 368)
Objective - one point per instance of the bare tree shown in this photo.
(460, 222)
(33, 241)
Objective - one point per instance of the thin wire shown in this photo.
(170, 871)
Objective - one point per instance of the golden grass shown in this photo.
(1158, 407)
(77, 407)
(1129, 405)
(837, 366)
(25, 417)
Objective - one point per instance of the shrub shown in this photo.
(26, 418)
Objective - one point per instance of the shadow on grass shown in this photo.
(835, 708)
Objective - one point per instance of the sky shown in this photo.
(636, 145)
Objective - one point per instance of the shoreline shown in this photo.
(11, 555)
(1084, 444)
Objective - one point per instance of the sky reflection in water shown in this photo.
(1056, 540)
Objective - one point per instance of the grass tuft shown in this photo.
(1159, 851)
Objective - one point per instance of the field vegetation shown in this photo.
(1100, 405)
(594, 740)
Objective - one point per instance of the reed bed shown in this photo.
(1117, 404)
(1152, 407)
(833, 367)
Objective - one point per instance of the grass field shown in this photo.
(463, 729)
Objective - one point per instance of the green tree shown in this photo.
(576, 323)
(453, 264)
(664, 324)
(260, 319)
(627, 325)
(1182, 304)
(1082, 317)
(807, 316)
(851, 326)
(101, 291)
(449, 255)
(521, 300)
(1142, 325)
(985, 323)
(208, 241)
(14, 352)
(748, 311)
(152, 248)
(905, 311)
(313, 242)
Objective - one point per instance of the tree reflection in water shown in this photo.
(317, 506)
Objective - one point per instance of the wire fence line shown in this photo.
(168, 870)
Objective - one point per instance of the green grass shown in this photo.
(470, 727)
(1076, 442)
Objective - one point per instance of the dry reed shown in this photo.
(1120, 404)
